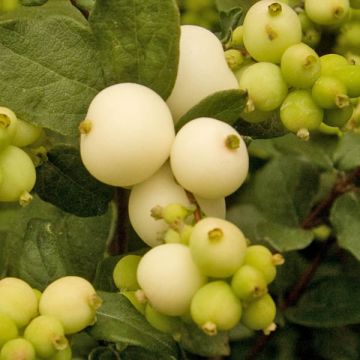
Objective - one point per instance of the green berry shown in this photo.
(338, 117)
(18, 301)
(19, 175)
(73, 301)
(164, 323)
(330, 62)
(265, 85)
(299, 111)
(215, 307)
(46, 334)
(174, 212)
(217, 246)
(124, 273)
(18, 349)
(8, 125)
(248, 283)
(350, 76)
(65, 354)
(270, 27)
(8, 329)
(137, 299)
(300, 66)
(26, 133)
(330, 93)
(260, 314)
(234, 59)
(262, 259)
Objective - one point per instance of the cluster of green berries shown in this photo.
(17, 169)
(204, 272)
(35, 325)
(284, 76)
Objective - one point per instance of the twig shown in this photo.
(197, 212)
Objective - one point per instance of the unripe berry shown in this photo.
(8, 125)
(8, 329)
(26, 133)
(330, 62)
(260, 314)
(217, 246)
(330, 12)
(73, 301)
(65, 354)
(137, 299)
(124, 273)
(17, 300)
(18, 349)
(215, 307)
(169, 278)
(46, 335)
(265, 85)
(270, 27)
(248, 283)
(164, 323)
(262, 259)
(338, 117)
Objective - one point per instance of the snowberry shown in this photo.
(121, 144)
(209, 158)
(215, 307)
(8, 329)
(46, 334)
(124, 273)
(72, 300)
(26, 133)
(217, 246)
(164, 323)
(17, 300)
(160, 190)
(169, 278)
(16, 349)
(8, 125)
(202, 70)
(270, 27)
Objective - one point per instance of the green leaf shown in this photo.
(138, 41)
(138, 353)
(223, 105)
(344, 216)
(64, 182)
(104, 353)
(49, 67)
(263, 130)
(329, 302)
(33, 2)
(3, 253)
(229, 20)
(45, 243)
(118, 321)
(347, 154)
(336, 344)
(195, 341)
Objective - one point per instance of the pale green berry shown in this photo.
(26, 133)
(18, 349)
(338, 117)
(215, 307)
(137, 299)
(46, 334)
(17, 300)
(164, 323)
(330, 62)
(260, 314)
(8, 125)
(73, 301)
(65, 354)
(8, 329)
(261, 258)
(248, 283)
(124, 273)
(217, 246)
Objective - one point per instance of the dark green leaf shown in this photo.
(64, 182)
(195, 341)
(226, 5)
(3, 253)
(336, 344)
(104, 353)
(229, 20)
(49, 67)
(139, 41)
(138, 353)
(265, 129)
(329, 302)
(347, 154)
(118, 321)
(223, 105)
(345, 216)
(33, 2)
(45, 242)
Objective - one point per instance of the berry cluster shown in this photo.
(273, 59)
(204, 272)
(37, 325)
(17, 170)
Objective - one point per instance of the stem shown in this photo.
(197, 212)
(119, 243)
